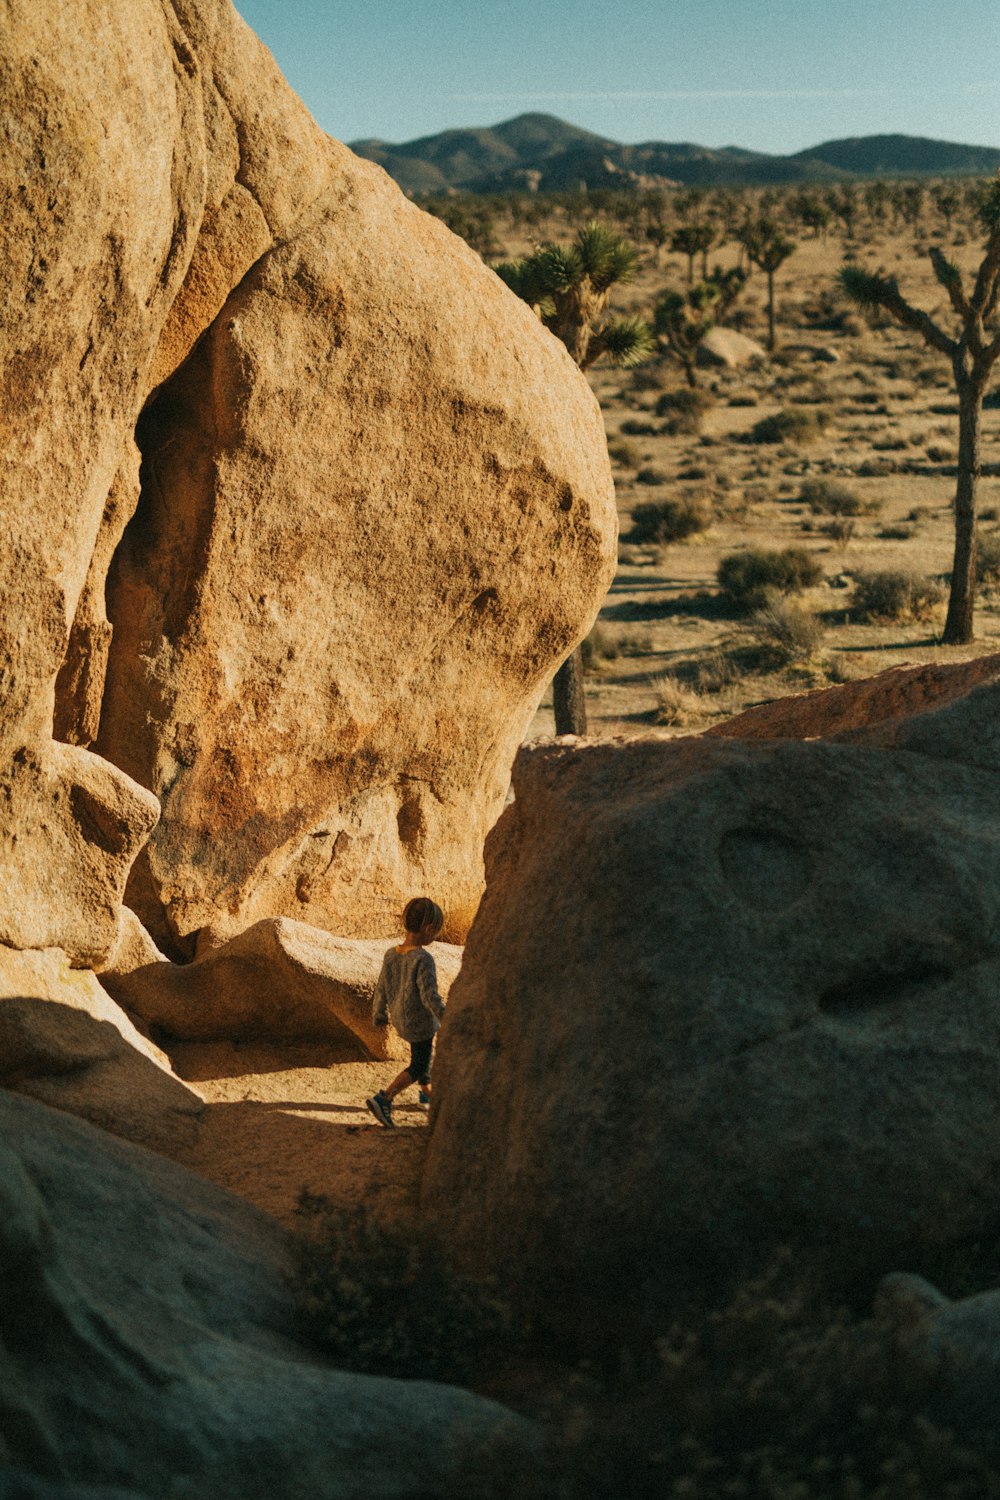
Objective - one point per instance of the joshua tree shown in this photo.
(569, 286)
(972, 355)
(692, 240)
(768, 248)
(683, 319)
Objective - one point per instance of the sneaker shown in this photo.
(381, 1108)
(423, 1097)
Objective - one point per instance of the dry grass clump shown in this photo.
(663, 521)
(651, 475)
(790, 633)
(749, 579)
(793, 424)
(637, 427)
(829, 497)
(684, 409)
(898, 596)
(676, 704)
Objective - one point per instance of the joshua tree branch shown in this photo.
(950, 278)
(870, 291)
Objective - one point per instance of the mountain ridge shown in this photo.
(540, 151)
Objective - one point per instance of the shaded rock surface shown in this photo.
(64, 1040)
(958, 1342)
(722, 995)
(146, 1342)
(279, 980)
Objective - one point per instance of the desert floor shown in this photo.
(663, 653)
(278, 1120)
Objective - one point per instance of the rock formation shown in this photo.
(63, 1040)
(899, 693)
(724, 994)
(280, 980)
(373, 512)
(170, 1365)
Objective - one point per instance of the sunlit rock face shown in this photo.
(723, 995)
(300, 506)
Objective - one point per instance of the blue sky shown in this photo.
(771, 75)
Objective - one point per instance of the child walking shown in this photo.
(407, 993)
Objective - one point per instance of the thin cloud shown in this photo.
(578, 96)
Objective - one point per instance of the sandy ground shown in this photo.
(278, 1120)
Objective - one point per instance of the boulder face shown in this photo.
(280, 980)
(63, 1040)
(723, 995)
(364, 543)
(372, 514)
(170, 1365)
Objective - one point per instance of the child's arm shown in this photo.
(380, 1003)
(427, 986)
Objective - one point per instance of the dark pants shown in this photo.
(420, 1060)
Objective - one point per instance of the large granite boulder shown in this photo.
(722, 995)
(146, 1343)
(280, 980)
(64, 1040)
(365, 499)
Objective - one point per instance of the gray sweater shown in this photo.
(407, 990)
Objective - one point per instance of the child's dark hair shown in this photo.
(422, 912)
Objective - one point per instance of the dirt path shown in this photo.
(281, 1119)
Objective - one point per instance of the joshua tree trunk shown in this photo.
(568, 699)
(961, 601)
(770, 309)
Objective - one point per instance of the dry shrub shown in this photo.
(748, 579)
(938, 454)
(665, 521)
(847, 666)
(378, 1297)
(625, 453)
(828, 497)
(898, 596)
(684, 409)
(636, 427)
(988, 562)
(717, 672)
(793, 424)
(779, 1395)
(790, 632)
(675, 703)
(652, 476)
(840, 529)
(599, 648)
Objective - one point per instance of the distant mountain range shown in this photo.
(537, 151)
